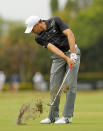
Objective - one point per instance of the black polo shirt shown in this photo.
(54, 34)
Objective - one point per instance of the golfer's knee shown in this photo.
(73, 90)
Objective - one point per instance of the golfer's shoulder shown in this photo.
(55, 21)
(55, 18)
(36, 36)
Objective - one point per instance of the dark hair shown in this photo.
(40, 20)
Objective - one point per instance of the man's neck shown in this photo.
(44, 26)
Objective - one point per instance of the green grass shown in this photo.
(88, 113)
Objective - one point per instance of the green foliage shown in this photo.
(90, 76)
(26, 86)
(22, 55)
(91, 60)
(6, 87)
(88, 25)
(77, 5)
(89, 36)
(1, 23)
(22, 86)
(17, 51)
(72, 5)
(54, 5)
(71, 9)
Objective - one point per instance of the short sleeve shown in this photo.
(40, 41)
(62, 25)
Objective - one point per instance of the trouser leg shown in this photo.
(71, 94)
(56, 78)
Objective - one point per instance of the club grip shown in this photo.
(70, 67)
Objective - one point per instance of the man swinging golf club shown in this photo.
(55, 35)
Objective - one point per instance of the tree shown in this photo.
(21, 54)
(89, 35)
(74, 6)
(54, 6)
(17, 51)
(1, 23)
(88, 25)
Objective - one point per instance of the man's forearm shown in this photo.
(56, 51)
(71, 39)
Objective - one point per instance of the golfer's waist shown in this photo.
(75, 48)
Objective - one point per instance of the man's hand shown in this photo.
(70, 61)
(73, 56)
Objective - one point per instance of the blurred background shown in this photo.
(25, 65)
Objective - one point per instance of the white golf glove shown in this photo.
(73, 56)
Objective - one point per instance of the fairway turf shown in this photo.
(88, 115)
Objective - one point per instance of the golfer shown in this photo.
(55, 35)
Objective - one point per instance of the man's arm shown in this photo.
(59, 53)
(65, 29)
(71, 39)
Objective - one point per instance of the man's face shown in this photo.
(37, 28)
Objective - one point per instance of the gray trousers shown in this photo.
(58, 70)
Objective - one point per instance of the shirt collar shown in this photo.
(47, 24)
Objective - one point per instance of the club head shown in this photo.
(50, 104)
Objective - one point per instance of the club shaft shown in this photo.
(60, 87)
